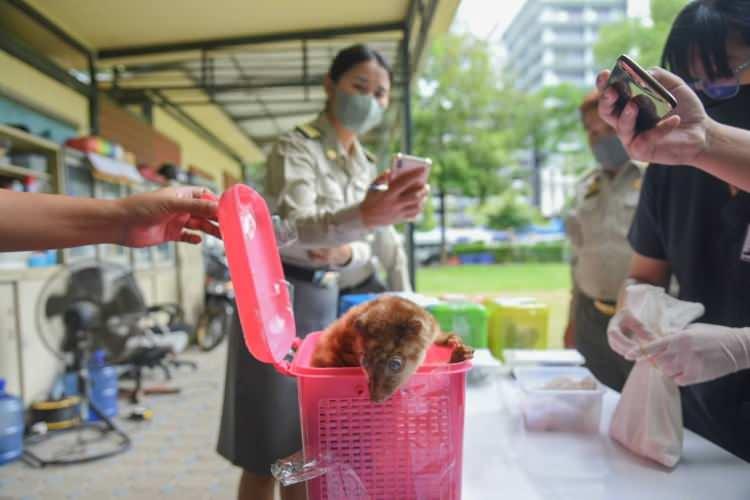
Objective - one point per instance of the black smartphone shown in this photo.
(633, 83)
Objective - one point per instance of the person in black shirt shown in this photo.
(690, 137)
(696, 227)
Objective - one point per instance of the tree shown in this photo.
(637, 38)
(510, 211)
(455, 122)
(458, 105)
(543, 124)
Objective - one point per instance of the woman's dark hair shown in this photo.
(702, 29)
(349, 57)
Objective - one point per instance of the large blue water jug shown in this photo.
(103, 389)
(11, 426)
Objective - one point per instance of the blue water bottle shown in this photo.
(11, 426)
(103, 389)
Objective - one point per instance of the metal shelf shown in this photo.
(14, 171)
(23, 141)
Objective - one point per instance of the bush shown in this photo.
(550, 251)
(468, 248)
(505, 253)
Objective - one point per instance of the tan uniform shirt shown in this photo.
(388, 256)
(312, 181)
(598, 228)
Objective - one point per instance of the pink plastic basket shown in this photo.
(409, 447)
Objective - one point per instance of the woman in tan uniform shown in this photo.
(319, 177)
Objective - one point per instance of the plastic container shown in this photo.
(409, 447)
(11, 426)
(348, 301)
(89, 144)
(465, 319)
(517, 323)
(559, 410)
(550, 357)
(45, 258)
(103, 387)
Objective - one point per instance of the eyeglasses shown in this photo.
(721, 88)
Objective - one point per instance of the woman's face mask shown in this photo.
(610, 153)
(359, 113)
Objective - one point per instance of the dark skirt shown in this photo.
(260, 418)
(608, 367)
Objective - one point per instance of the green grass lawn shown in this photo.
(493, 279)
(549, 283)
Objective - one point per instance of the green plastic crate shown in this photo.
(465, 319)
(517, 323)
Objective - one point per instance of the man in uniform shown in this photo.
(597, 227)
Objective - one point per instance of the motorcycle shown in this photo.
(214, 321)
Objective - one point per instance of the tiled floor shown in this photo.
(173, 456)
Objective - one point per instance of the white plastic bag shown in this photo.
(648, 418)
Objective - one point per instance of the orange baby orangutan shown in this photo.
(389, 337)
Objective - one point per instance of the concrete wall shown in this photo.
(21, 81)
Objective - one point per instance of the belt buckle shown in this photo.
(325, 279)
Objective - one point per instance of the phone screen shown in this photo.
(632, 83)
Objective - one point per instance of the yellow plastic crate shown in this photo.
(516, 323)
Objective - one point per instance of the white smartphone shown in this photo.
(406, 163)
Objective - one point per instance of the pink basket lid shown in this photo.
(262, 295)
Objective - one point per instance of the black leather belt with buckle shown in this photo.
(324, 278)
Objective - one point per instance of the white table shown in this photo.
(504, 461)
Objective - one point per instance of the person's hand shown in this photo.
(678, 139)
(169, 214)
(569, 338)
(401, 202)
(626, 334)
(336, 256)
(700, 353)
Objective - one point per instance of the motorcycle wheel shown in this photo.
(212, 327)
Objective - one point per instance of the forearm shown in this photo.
(645, 270)
(726, 154)
(329, 229)
(41, 221)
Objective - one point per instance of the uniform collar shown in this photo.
(628, 167)
(331, 141)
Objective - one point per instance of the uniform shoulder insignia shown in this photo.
(370, 157)
(308, 131)
(587, 175)
(592, 186)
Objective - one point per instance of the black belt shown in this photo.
(319, 277)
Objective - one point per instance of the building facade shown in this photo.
(551, 41)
